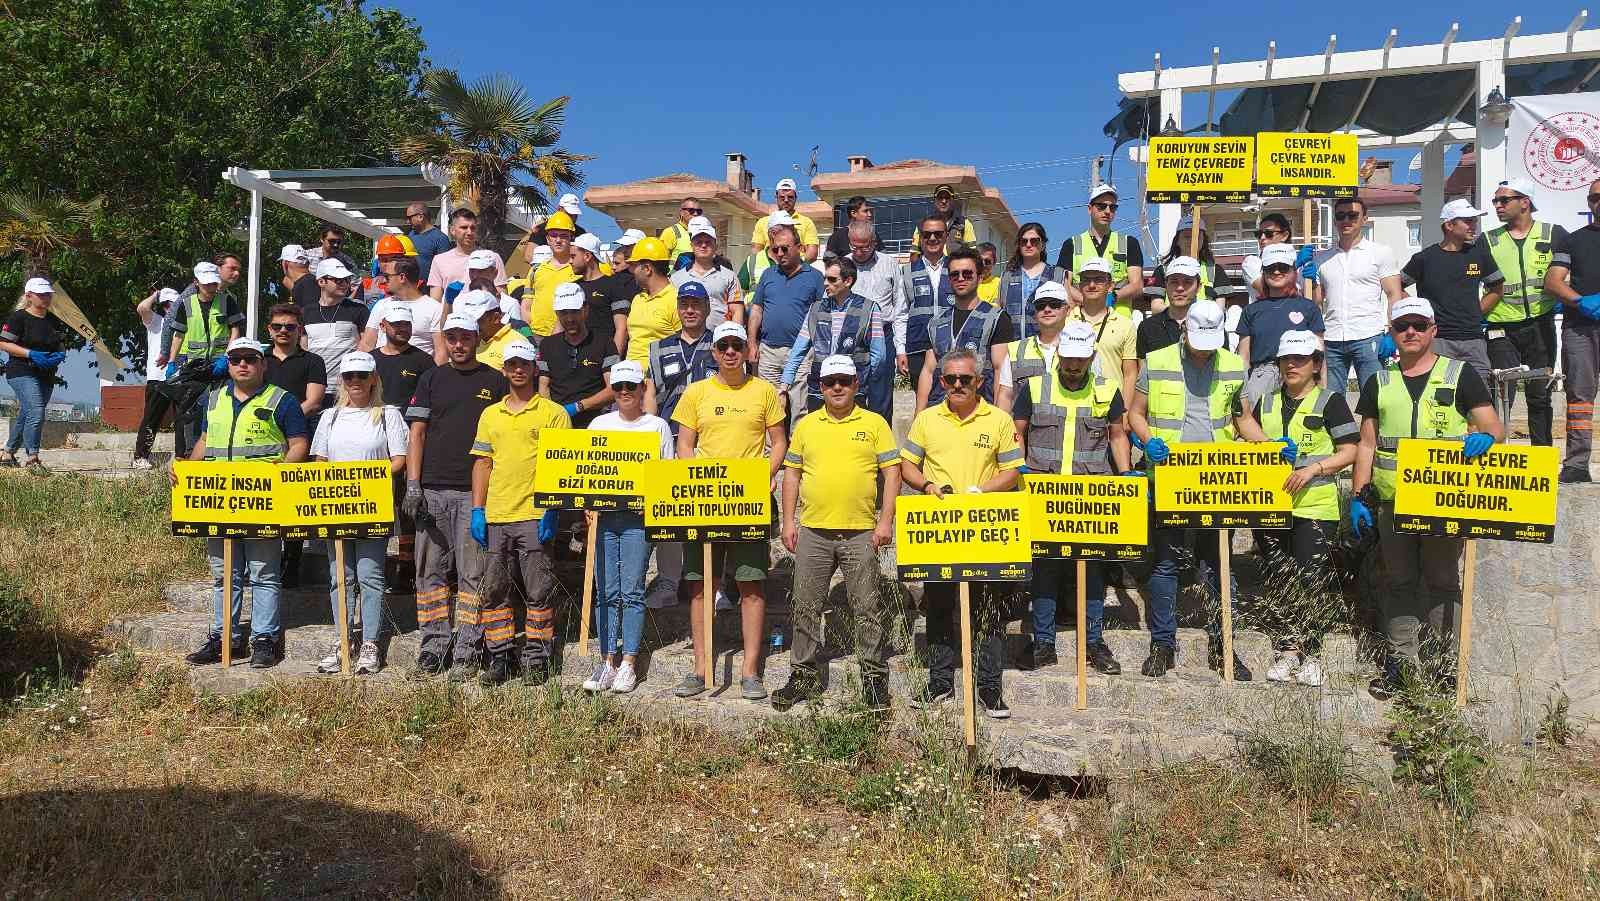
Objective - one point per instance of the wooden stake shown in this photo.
(1469, 575)
(344, 611)
(708, 610)
(968, 712)
(588, 589)
(1083, 631)
(1225, 573)
(227, 602)
(1305, 220)
(1194, 233)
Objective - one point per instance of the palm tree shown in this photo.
(39, 225)
(493, 140)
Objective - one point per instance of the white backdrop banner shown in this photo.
(1554, 139)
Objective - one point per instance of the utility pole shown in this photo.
(1094, 171)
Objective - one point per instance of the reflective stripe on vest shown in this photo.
(673, 370)
(1434, 416)
(855, 340)
(1320, 498)
(927, 299)
(1070, 424)
(1524, 269)
(213, 341)
(986, 316)
(252, 433)
(1167, 401)
(1116, 254)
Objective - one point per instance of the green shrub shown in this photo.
(1435, 749)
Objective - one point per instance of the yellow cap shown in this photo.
(649, 249)
(561, 221)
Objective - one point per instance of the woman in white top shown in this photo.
(360, 427)
(621, 551)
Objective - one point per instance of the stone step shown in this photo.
(70, 459)
(117, 441)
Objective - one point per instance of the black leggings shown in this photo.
(1306, 543)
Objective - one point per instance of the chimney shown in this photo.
(859, 163)
(739, 178)
(1382, 174)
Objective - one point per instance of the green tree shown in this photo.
(494, 140)
(146, 102)
(39, 228)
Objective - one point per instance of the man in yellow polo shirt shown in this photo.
(494, 334)
(832, 469)
(730, 415)
(965, 444)
(1116, 342)
(506, 524)
(786, 196)
(540, 312)
(654, 314)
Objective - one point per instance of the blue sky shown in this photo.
(1019, 90)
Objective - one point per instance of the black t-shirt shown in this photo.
(1022, 404)
(34, 333)
(600, 305)
(1471, 392)
(306, 291)
(1130, 244)
(295, 372)
(1157, 331)
(1336, 413)
(450, 400)
(1579, 253)
(1449, 279)
(400, 373)
(577, 370)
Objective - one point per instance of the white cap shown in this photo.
(785, 183)
(700, 225)
(1522, 185)
(1182, 266)
(569, 202)
(627, 371)
(630, 237)
(605, 250)
(481, 259)
(729, 330)
(38, 285)
(588, 242)
(1101, 189)
(542, 254)
(332, 267)
(838, 364)
(208, 274)
(398, 312)
(1204, 325)
(168, 295)
(1077, 340)
(357, 361)
(292, 253)
(1095, 264)
(460, 321)
(1411, 306)
(569, 297)
(1459, 209)
(520, 350)
(1277, 255)
(780, 217)
(1298, 343)
(1048, 289)
(476, 303)
(245, 344)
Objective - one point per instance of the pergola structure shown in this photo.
(1427, 96)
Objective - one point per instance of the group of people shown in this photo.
(452, 377)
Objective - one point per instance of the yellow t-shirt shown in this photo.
(651, 318)
(802, 224)
(492, 353)
(729, 422)
(540, 310)
(989, 289)
(676, 237)
(1116, 343)
(839, 461)
(511, 440)
(968, 236)
(962, 453)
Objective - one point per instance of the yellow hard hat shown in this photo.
(650, 249)
(561, 221)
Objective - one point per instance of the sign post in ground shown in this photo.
(343, 622)
(227, 603)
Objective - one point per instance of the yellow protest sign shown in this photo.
(707, 499)
(226, 500)
(1200, 170)
(1298, 164)
(336, 500)
(963, 537)
(1088, 517)
(1508, 493)
(1223, 486)
(584, 470)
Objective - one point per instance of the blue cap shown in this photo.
(693, 290)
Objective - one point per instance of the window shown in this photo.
(1414, 232)
(1366, 231)
(894, 219)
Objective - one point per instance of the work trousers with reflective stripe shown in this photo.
(819, 552)
(1580, 360)
(1421, 582)
(515, 555)
(443, 540)
(1531, 344)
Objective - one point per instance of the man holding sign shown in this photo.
(1071, 420)
(247, 419)
(962, 445)
(1424, 395)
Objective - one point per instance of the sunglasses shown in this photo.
(624, 386)
(837, 381)
(729, 346)
(1102, 206)
(932, 236)
(1277, 269)
(245, 360)
(1270, 233)
(691, 210)
(952, 381)
(353, 376)
(1346, 216)
(1502, 201)
(1094, 278)
(283, 326)
(963, 274)
(1049, 303)
(1029, 242)
(1419, 326)
(832, 279)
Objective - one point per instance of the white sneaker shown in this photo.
(627, 680)
(1283, 667)
(1311, 673)
(723, 601)
(604, 675)
(142, 463)
(367, 663)
(330, 663)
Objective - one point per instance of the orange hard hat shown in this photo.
(395, 244)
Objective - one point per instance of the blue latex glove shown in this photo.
(1134, 437)
(1360, 516)
(451, 290)
(219, 367)
(1303, 262)
(1156, 450)
(1291, 450)
(572, 408)
(40, 358)
(479, 527)
(1023, 469)
(1135, 473)
(1475, 444)
(172, 369)
(1386, 347)
(1589, 305)
(547, 526)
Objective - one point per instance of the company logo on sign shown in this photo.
(1563, 151)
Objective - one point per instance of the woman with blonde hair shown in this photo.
(359, 428)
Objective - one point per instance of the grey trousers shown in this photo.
(816, 555)
(1421, 582)
(1580, 358)
(1474, 352)
(515, 553)
(442, 540)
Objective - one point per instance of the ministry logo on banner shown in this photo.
(1555, 141)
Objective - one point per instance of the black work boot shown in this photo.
(803, 686)
(1162, 658)
(1103, 661)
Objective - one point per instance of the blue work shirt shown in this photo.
(1265, 321)
(429, 244)
(784, 300)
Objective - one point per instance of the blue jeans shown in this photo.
(33, 395)
(1360, 355)
(621, 555)
(255, 563)
(1163, 603)
(1049, 580)
(363, 566)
